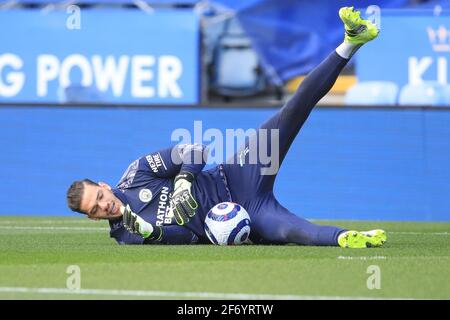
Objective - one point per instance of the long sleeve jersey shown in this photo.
(147, 185)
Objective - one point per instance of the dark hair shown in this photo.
(75, 193)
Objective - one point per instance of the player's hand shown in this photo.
(135, 224)
(182, 202)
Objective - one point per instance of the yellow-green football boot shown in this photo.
(362, 239)
(357, 31)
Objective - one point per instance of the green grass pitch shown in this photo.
(35, 254)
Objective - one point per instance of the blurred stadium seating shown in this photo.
(272, 51)
(372, 93)
(424, 94)
(235, 68)
(447, 94)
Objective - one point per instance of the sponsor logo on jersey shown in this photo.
(145, 195)
(155, 161)
(163, 214)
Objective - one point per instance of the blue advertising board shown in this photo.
(413, 46)
(347, 163)
(102, 56)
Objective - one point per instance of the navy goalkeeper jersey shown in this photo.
(147, 184)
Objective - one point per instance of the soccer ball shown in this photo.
(227, 223)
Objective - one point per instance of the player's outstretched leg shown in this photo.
(318, 82)
(245, 179)
(272, 223)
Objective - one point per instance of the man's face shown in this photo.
(98, 202)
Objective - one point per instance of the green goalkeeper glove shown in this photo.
(182, 202)
(135, 224)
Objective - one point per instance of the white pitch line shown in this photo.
(189, 295)
(40, 221)
(362, 258)
(52, 228)
(423, 233)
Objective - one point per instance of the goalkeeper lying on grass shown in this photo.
(163, 197)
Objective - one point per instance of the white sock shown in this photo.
(347, 50)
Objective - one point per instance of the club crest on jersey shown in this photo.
(145, 195)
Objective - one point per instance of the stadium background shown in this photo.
(378, 151)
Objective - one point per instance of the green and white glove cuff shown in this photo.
(144, 228)
(136, 224)
(184, 176)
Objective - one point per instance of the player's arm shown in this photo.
(143, 232)
(182, 162)
(168, 163)
(182, 202)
